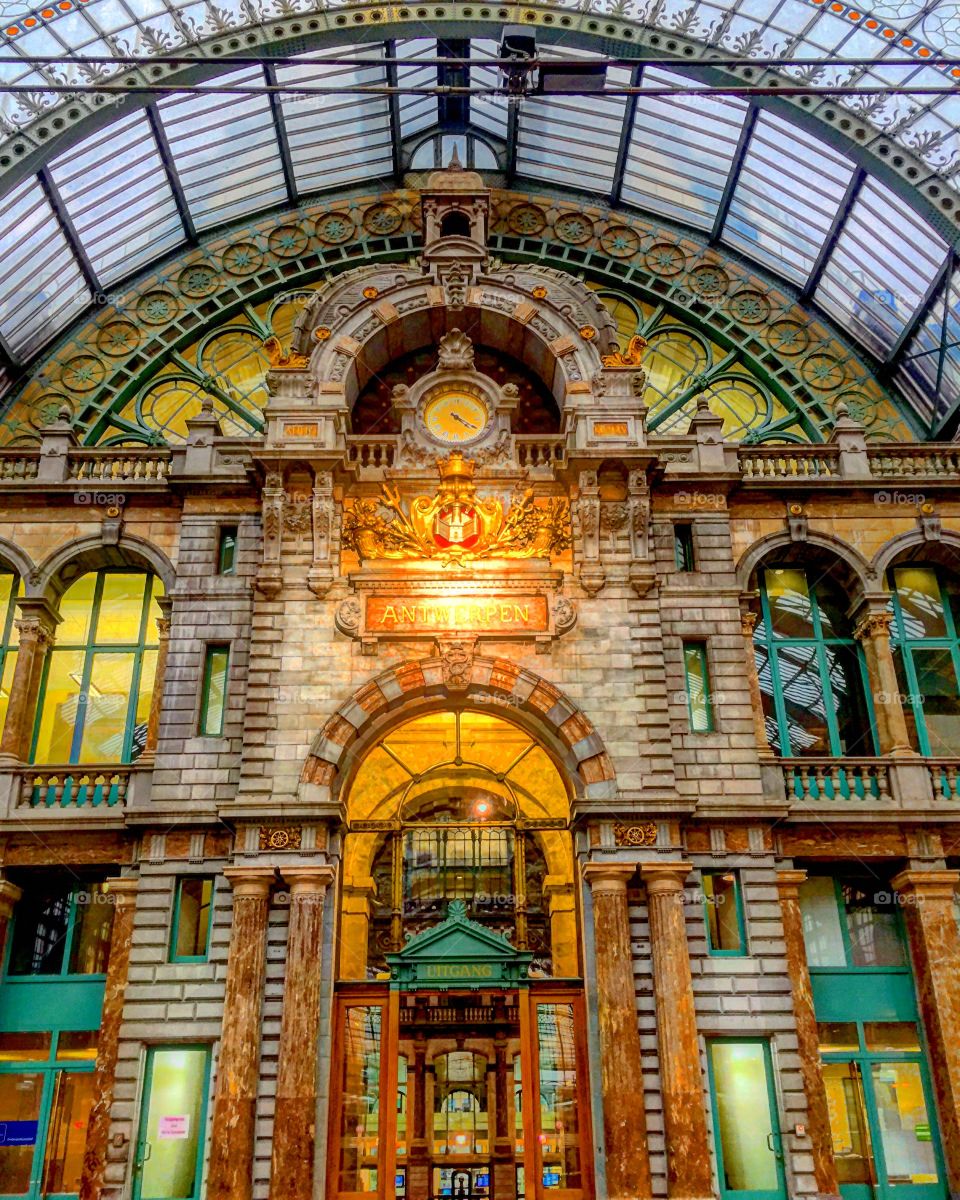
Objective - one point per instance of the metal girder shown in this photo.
(919, 316)
(286, 159)
(170, 170)
(513, 131)
(843, 211)
(626, 134)
(393, 104)
(69, 231)
(733, 175)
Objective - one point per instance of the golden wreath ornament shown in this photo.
(453, 526)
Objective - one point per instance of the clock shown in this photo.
(455, 417)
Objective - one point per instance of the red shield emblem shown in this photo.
(457, 526)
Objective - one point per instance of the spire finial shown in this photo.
(454, 164)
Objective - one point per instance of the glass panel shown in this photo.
(801, 685)
(904, 1131)
(683, 547)
(848, 1122)
(822, 933)
(214, 691)
(39, 939)
(874, 931)
(61, 707)
(838, 1035)
(559, 1133)
(892, 1035)
(791, 607)
(920, 603)
(121, 609)
(78, 1045)
(92, 926)
(194, 896)
(108, 703)
(722, 901)
(75, 608)
(360, 1101)
(698, 688)
(227, 556)
(849, 702)
(67, 1134)
(939, 697)
(6, 682)
(24, 1047)
(20, 1113)
(744, 1120)
(148, 675)
(176, 1084)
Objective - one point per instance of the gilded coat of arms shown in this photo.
(455, 526)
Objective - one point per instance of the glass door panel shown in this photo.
(746, 1124)
(172, 1123)
(561, 1115)
(67, 1132)
(849, 1128)
(360, 1090)
(904, 1129)
(20, 1099)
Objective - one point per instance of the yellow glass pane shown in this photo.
(174, 1105)
(108, 701)
(76, 605)
(148, 674)
(670, 359)
(239, 364)
(156, 613)
(6, 593)
(6, 682)
(61, 706)
(121, 609)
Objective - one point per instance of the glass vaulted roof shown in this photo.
(99, 207)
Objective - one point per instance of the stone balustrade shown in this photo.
(819, 779)
(73, 787)
(789, 462)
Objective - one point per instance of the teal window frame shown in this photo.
(50, 1068)
(907, 646)
(152, 1051)
(770, 645)
(227, 546)
(865, 1059)
(780, 1193)
(64, 973)
(210, 649)
(91, 650)
(684, 550)
(699, 648)
(173, 956)
(717, 951)
(6, 646)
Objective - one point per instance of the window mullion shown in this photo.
(830, 712)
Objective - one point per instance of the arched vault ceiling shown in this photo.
(851, 203)
(109, 362)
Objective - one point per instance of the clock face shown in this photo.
(455, 417)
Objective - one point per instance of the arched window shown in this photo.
(926, 608)
(455, 224)
(812, 673)
(11, 587)
(460, 1103)
(98, 678)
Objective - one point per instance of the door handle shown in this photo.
(145, 1152)
(775, 1149)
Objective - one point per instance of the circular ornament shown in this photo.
(750, 306)
(371, 293)
(382, 219)
(823, 372)
(527, 220)
(539, 292)
(288, 241)
(620, 241)
(334, 228)
(47, 409)
(83, 373)
(588, 333)
(859, 406)
(573, 228)
(788, 337)
(243, 258)
(157, 308)
(709, 281)
(197, 281)
(279, 839)
(322, 333)
(665, 258)
(118, 338)
(456, 524)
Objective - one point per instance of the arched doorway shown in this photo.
(460, 1066)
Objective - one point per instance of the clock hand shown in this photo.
(469, 424)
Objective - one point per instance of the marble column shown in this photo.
(122, 893)
(873, 631)
(621, 1074)
(9, 895)
(156, 697)
(928, 903)
(36, 626)
(294, 1133)
(748, 623)
(230, 1171)
(681, 1078)
(808, 1041)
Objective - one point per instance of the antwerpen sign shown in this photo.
(479, 614)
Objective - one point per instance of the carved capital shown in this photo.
(873, 625)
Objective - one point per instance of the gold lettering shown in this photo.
(389, 614)
(522, 613)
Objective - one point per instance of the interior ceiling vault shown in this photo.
(849, 204)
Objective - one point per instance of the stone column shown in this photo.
(294, 1135)
(156, 698)
(808, 1042)
(681, 1079)
(122, 893)
(9, 895)
(873, 631)
(748, 623)
(36, 626)
(230, 1172)
(621, 1074)
(935, 949)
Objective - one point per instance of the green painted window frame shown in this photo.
(764, 636)
(227, 546)
(144, 1109)
(684, 550)
(64, 973)
(780, 1193)
(841, 903)
(699, 650)
(173, 956)
(90, 649)
(717, 951)
(210, 651)
(908, 646)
